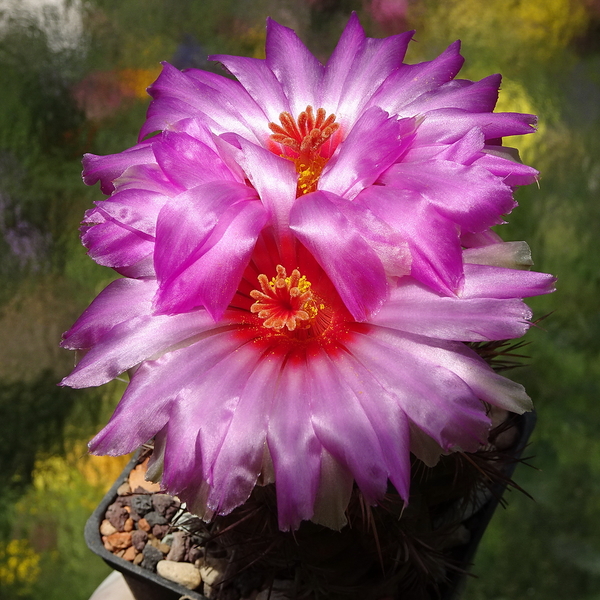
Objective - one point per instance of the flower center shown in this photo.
(284, 301)
(303, 142)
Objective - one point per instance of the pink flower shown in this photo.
(288, 387)
(300, 287)
(396, 160)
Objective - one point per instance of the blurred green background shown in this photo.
(73, 76)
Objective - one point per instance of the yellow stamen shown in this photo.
(305, 138)
(284, 301)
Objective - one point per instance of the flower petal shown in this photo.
(360, 423)
(107, 168)
(291, 436)
(417, 309)
(260, 83)
(294, 66)
(357, 69)
(184, 225)
(433, 240)
(372, 146)
(134, 341)
(498, 282)
(113, 244)
(159, 390)
(478, 97)
(468, 195)
(212, 274)
(353, 267)
(433, 396)
(120, 301)
(409, 82)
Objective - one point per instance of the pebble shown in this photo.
(138, 559)
(160, 531)
(162, 502)
(154, 518)
(119, 540)
(159, 545)
(128, 525)
(117, 515)
(209, 575)
(144, 525)
(142, 504)
(107, 544)
(178, 547)
(139, 539)
(151, 557)
(183, 573)
(106, 528)
(194, 554)
(137, 479)
(124, 489)
(130, 553)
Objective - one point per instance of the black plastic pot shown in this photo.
(148, 585)
(144, 584)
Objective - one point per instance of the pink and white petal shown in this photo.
(212, 278)
(387, 416)
(178, 96)
(156, 395)
(294, 66)
(433, 240)
(333, 493)
(418, 310)
(293, 445)
(409, 82)
(340, 64)
(371, 438)
(481, 249)
(465, 150)
(372, 146)
(389, 245)
(238, 462)
(486, 384)
(468, 195)
(497, 282)
(275, 179)
(478, 97)
(188, 162)
(199, 424)
(342, 427)
(513, 173)
(448, 125)
(260, 83)
(185, 224)
(143, 268)
(120, 301)
(425, 448)
(115, 245)
(433, 396)
(149, 177)
(366, 65)
(353, 267)
(243, 115)
(479, 240)
(107, 168)
(134, 341)
(134, 208)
